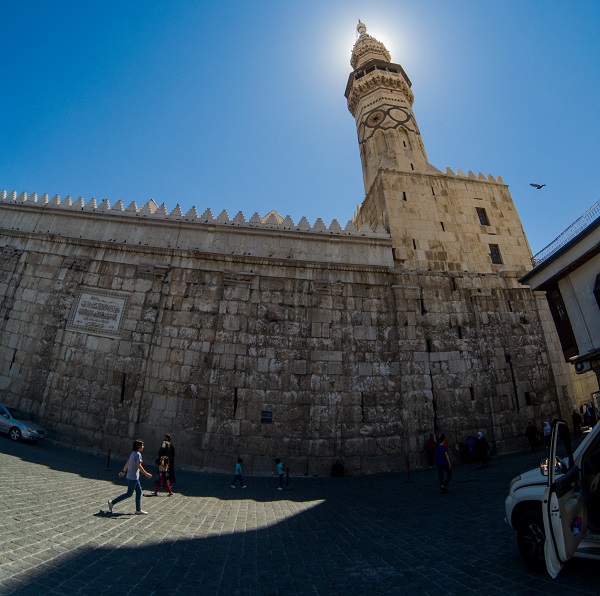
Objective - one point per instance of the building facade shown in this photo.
(267, 338)
(568, 272)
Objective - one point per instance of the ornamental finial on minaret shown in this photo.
(367, 48)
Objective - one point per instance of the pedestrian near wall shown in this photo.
(444, 465)
(547, 433)
(163, 476)
(280, 472)
(237, 474)
(337, 470)
(167, 449)
(131, 470)
(591, 414)
(482, 451)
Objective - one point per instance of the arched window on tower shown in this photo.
(403, 139)
(380, 144)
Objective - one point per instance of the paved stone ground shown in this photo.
(375, 534)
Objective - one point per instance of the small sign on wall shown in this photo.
(266, 417)
(98, 312)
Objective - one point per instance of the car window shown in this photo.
(562, 452)
(18, 415)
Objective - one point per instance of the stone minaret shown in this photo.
(380, 99)
(459, 249)
(438, 221)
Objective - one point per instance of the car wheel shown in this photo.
(532, 538)
(15, 434)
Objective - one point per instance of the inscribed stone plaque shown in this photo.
(98, 312)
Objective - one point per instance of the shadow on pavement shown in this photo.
(355, 535)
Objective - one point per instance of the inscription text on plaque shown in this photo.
(98, 312)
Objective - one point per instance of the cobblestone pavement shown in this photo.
(379, 534)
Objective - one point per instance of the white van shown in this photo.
(554, 512)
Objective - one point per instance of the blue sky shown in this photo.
(240, 105)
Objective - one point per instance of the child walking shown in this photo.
(131, 470)
(163, 475)
(237, 474)
(280, 472)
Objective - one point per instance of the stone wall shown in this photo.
(262, 357)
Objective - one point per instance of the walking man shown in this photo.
(131, 470)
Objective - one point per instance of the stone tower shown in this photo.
(486, 349)
(438, 221)
(380, 99)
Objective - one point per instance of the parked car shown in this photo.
(19, 425)
(552, 508)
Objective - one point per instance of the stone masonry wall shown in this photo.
(348, 360)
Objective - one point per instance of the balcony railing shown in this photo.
(573, 230)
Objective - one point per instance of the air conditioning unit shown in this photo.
(583, 367)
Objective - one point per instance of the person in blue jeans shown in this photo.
(131, 471)
(444, 466)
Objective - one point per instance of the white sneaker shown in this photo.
(140, 512)
(233, 486)
(244, 486)
(280, 488)
(110, 506)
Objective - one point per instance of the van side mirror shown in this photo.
(560, 466)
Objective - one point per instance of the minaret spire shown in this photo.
(367, 48)
(380, 99)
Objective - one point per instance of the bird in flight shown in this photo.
(538, 186)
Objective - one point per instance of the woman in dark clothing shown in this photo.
(482, 451)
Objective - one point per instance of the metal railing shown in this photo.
(575, 228)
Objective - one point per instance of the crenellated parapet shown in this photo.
(150, 210)
(151, 227)
(471, 176)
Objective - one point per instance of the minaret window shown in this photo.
(495, 254)
(483, 218)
